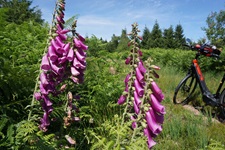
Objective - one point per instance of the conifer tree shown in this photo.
(179, 36)
(168, 37)
(156, 36)
(146, 38)
(113, 44)
(123, 41)
(19, 11)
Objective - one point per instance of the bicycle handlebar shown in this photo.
(205, 50)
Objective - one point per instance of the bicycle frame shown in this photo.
(208, 97)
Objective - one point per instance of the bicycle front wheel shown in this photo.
(184, 90)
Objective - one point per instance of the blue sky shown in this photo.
(103, 18)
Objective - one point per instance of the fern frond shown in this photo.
(3, 122)
(70, 21)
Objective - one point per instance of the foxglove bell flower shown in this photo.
(152, 124)
(156, 105)
(45, 63)
(139, 89)
(157, 91)
(122, 99)
(70, 55)
(52, 53)
(150, 141)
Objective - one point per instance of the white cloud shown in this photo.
(94, 20)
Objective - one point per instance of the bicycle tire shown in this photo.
(184, 90)
(222, 101)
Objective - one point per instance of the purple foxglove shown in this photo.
(37, 96)
(76, 119)
(136, 108)
(43, 79)
(56, 69)
(81, 38)
(62, 60)
(158, 117)
(155, 67)
(58, 48)
(80, 44)
(64, 31)
(137, 99)
(46, 108)
(122, 99)
(62, 36)
(75, 79)
(70, 140)
(47, 100)
(44, 122)
(66, 49)
(63, 87)
(139, 76)
(155, 74)
(150, 141)
(60, 20)
(157, 91)
(59, 27)
(140, 52)
(81, 52)
(79, 56)
(70, 56)
(141, 67)
(59, 41)
(152, 124)
(126, 88)
(134, 123)
(139, 89)
(74, 71)
(156, 105)
(45, 63)
(42, 89)
(128, 60)
(127, 79)
(78, 64)
(52, 54)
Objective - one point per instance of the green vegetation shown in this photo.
(23, 42)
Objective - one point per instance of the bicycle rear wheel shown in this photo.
(184, 90)
(222, 101)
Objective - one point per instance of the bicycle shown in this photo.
(188, 84)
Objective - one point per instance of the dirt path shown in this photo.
(198, 113)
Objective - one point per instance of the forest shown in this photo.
(60, 90)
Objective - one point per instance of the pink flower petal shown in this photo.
(157, 91)
(141, 67)
(70, 56)
(52, 53)
(138, 88)
(156, 105)
(74, 71)
(45, 63)
(122, 99)
(137, 99)
(136, 108)
(139, 76)
(151, 122)
(43, 79)
(150, 141)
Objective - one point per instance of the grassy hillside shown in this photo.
(182, 128)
